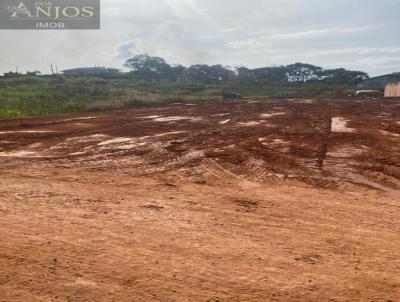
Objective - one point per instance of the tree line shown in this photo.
(150, 68)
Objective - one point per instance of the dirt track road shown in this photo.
(275, 200)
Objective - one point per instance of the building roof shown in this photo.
(390, 75)
(90, 69)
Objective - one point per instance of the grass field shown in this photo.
(45, 95)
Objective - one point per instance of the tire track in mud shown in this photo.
(326, 131)
(180, 161)
(301, 145)
(212, 167)
(324, 128)
(259, 172)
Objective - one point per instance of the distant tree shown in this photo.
(145, 62)
(271, 74)
(244, 73)
(300, 72)
(343, 76)
(207, 74)
(150, 68)
(177, 73)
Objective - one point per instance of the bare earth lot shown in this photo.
(275, 200)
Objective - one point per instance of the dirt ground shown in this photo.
(251, 200)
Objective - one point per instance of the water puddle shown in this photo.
(339, 125)
(169, 133)
(22, 154)
(151, 117)
(175, 118)
(221, 114)
(117, 140)
(27, 131)
(249, 124)
(73, 119)
(384, 132)
(225, 122)
(268, 115)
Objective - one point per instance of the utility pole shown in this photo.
(52, 70)
(56, 69)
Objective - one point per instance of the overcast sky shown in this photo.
(354, 34)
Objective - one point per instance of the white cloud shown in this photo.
(253, 32)
(266, 40)
(318, 33)
(128, 49)
(359, 51)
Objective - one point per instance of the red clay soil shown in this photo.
(252, 200)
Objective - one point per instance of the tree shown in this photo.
(271, 74)
(178, 73)
(343, 76)
(244, 73)
(300, 72)
(207, 74)
(149, 68)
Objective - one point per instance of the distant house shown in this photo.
(90, 71)
(379, 83)
(12, 74)
(33, 73)
(392, 90)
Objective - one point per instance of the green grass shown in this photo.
(267, 90)
(45, 95)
